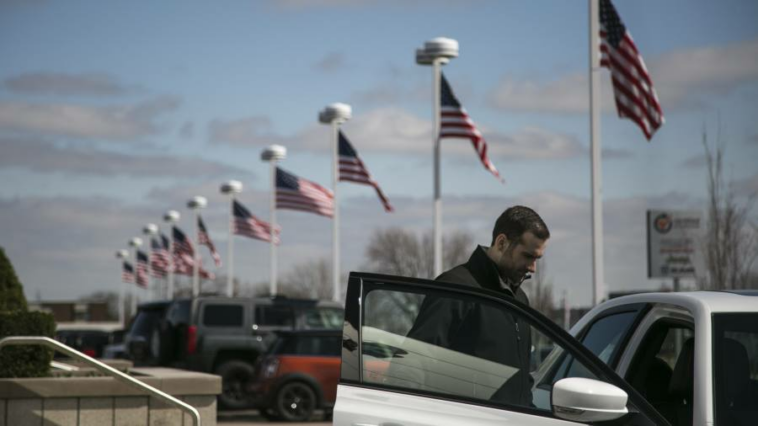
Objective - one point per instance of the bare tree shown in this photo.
(396, 251)
(312, 279)
(730, 245)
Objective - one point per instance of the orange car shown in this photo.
(299, 375)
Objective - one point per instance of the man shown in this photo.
(519, 239)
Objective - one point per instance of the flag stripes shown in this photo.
(248, 225)
(456, 123)
(142, 277)
(296, 193)
(160, 262)
(352, 169)
(127, 273)
(633, 90)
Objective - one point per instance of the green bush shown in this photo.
(11, 293)
(25, 361)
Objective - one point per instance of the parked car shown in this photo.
(298, 375)
(225, 336)
(90, 338)
(692, 355)
(387, 377)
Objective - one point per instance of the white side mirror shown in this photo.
(587, 400)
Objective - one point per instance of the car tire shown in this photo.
(295, 402)
(236, 378)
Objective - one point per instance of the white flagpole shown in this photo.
(230, 188)
(170, 217)
(598, 290)
(150, 230)
(196, 203)
(122, 255)
(335, 114)
(437, 52)
(272, 155)
(134, 243)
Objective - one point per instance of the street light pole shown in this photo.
(273, 154)
(171, 217)
(334, 115)
(231, 188)
(195, 204)
(437, 52)
(122, 255)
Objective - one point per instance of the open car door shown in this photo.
(396, 372)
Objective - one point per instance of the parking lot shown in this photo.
(251, 417)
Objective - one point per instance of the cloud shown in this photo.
(683, 79)
(747, 187)
(333, 61)
(115, 123)
(698, 161)
(392, 130)
(49, 83)
(250, 131)
(44, 157)
(187, 131)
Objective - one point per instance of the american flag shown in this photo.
(184, 256)
(455, 123)
(184, 265)
(352, 169)
(182, 244)
(142, 269)
(246, 224)
(204, 238)
(632, 87)
(127, 273)
(160, 261)
(296, 193)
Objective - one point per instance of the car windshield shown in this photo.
(329, 318)
(735, 350)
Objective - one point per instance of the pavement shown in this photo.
(253, 418)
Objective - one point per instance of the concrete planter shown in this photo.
(100, 401)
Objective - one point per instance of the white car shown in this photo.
(388, 377)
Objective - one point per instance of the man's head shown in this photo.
(518, 241)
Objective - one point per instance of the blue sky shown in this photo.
(111, 114)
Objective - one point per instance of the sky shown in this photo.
(113, 113)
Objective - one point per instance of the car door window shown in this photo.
(274, 316)
(452, 346)
(223, 315)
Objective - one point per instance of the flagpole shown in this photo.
(231, 188)
(195, 204)
(437, 52)
(595, 147)
(134, 243)
(273, 154)
(171, 217)
(150, 230)
(122, 255)
(334, 115)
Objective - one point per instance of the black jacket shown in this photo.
(478, 329)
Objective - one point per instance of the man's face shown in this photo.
(515, 261)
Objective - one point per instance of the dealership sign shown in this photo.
(673, 238)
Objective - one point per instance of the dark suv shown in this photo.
(225, 336)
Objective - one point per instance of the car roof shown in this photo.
(89, 326)
(705, 301)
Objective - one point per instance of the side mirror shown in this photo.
(586, 400)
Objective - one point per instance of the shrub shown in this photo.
(25, 361)
(11, 293)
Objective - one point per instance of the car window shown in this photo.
(735, 350)
(274, 316)
(145, 322)
(329, 318)
(404, 347)
(603, 338)
(179, 313)
(223, 315)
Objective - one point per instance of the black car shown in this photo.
(88, 338)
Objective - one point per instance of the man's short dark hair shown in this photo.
(517, 220)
